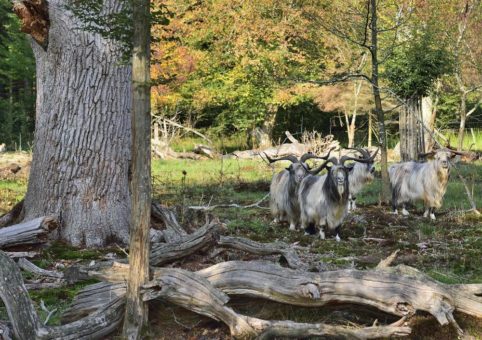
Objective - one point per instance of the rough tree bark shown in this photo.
(140, 184)
(411, 132)
(82, 138)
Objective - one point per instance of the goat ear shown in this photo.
(287, 169)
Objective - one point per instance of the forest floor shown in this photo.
(448, 250)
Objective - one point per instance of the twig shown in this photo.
(50, 313)
(388, 261)
(232, 205)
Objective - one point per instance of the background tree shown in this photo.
(411, 72)
(17, 77)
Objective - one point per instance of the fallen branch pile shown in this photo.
(98, 309)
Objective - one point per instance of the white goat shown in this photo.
(284, 189)
(360, 175)
(413, 181)
(323, 199)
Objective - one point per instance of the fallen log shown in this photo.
(26, 323)
(30, 267)
(31, 232)
(258, 248)
(5, 333)
(192, 292)
(397, 294)
(92, 298)
(44, 285)
(12, 216)
(162, 253)
(20, 254)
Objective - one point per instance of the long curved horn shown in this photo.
(290, 158)
(310, 155)
(363, 152)
(423, 155)
(359, 160)
(316, 171)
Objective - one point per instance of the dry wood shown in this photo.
(193, 292)
(44, 285)
(20, 254)
(31, 232)
(5, 333)
(167, 252)
(205, 151)
(397, 294)
(231, 205)
(12, 216)
(258, 248)
(26, 324)
(92, 298)
(400, 290)
(30, 267)
(174, 231)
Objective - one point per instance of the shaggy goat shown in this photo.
(360, 175)
(413, 181)
(284, 189)
(323, 199)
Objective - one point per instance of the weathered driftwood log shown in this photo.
(44, 285)
(31, 232)
(258, 248)
(12, 216)
(20, 254)
(174, 232)
(92, 298)
(400, 294)
(195, 293)
(205, 150)
(167, 252)
(396, 294)
(189, 290)
(26, 324)
(30, 267)
(5, 333)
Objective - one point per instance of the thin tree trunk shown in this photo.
(140, 184)
(370, 129)
(385, 194)
(82, 138)
(463, 118)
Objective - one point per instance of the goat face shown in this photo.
(297, 172)
(442, 159)
(339, 177)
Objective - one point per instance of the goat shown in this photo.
(284, 188)
(412, 181)
(360, 175)
(323, 199)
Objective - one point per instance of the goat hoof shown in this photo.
(292, 227)
(337, 238)
(395, 212)
(432, 217)
(405, 212)
(425, 214)
(322, 235)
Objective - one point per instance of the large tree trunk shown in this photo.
(82, 139)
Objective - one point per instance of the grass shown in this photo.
(472, 138)
(449, 250)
